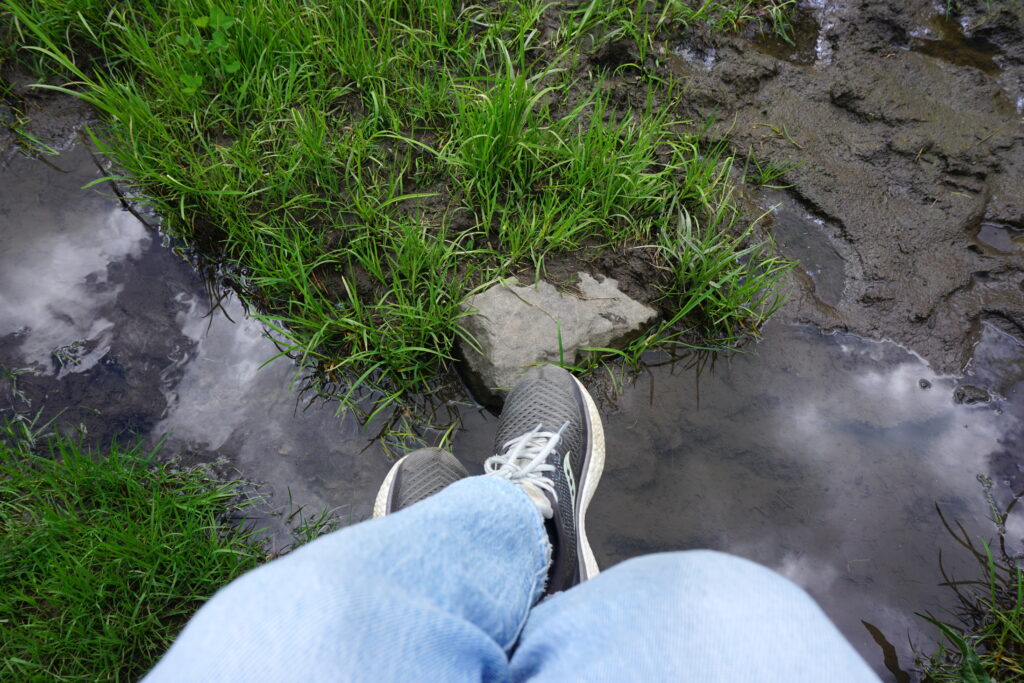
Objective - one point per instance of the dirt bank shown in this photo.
(907, 132)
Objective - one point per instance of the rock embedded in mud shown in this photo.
(970, 395)
(517, 325)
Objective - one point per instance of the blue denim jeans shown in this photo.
(448, 590)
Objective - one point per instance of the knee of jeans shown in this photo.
(688, 571)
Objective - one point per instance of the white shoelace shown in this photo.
(522, 461)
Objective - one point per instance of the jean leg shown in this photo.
(687, 616)
(438, 591)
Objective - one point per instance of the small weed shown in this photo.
(211, 37)
(778, 132)
(764, 173)
(721, 277)
(978, 13)
(988, 642)
(726, 15)
(598, 22)
(18, 397)
(306, 526)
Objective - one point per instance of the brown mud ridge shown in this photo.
(907, 129)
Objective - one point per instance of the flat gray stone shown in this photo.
(516, 326)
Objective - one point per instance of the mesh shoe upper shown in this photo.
(418, 475)
(548, 396)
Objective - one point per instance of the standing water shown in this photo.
(821, 456)
(114, 332)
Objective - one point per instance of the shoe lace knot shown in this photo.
(523, 461)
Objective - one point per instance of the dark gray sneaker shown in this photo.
(550, 442)
(418, 475)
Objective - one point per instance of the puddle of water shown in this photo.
(1005, 239)
(803, 237)
(225, 400)
(809, 42)
(803, 45)
(822, 457)
(998, 365)
(684, 57)
(947, 41)
(79, 275)
(950, 40)
(54, 276)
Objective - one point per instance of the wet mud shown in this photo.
(906, 129)
(54, 120)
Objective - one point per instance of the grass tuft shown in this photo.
(985, 641)
(105, 556)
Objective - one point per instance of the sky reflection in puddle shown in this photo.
(226, 400)
(54, 276)
(79, 272)
(822, 457)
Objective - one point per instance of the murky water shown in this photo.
(800, 43)
(820, 456)
(1000, 238)
(944, 39)
(809, 240)
(119, 338)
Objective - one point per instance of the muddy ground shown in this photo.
(903, 129)
(909, 143)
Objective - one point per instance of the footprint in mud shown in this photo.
(803, 237)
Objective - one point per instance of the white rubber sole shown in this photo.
(380, 503)
(595, 466)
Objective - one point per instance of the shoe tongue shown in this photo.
(540, 500)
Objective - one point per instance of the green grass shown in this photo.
(984, 642)
(977, 14)
(361, 167)
(766, 173)
(105, 557)
(640, 22)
